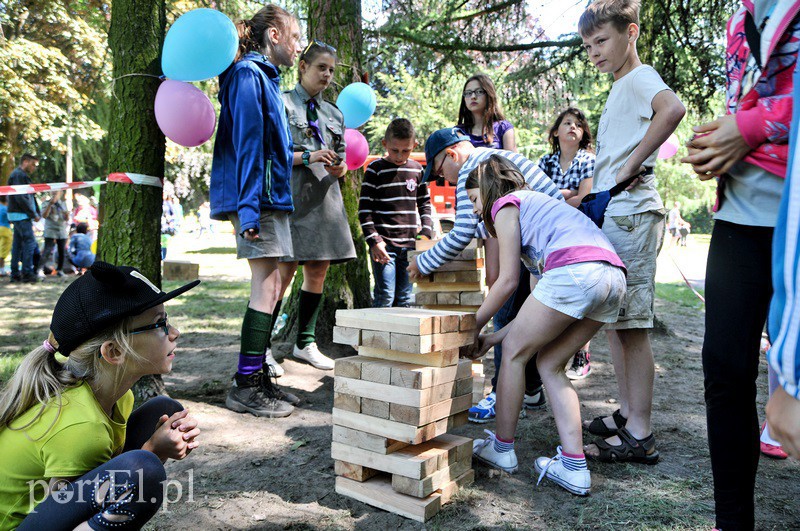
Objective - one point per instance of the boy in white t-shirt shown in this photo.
(640, 114)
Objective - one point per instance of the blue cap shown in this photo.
(439, 140)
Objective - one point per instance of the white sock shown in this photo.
(765, 437)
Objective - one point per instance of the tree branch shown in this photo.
(492, 9)
(440, 46)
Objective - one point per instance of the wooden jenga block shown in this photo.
(349, 367)
(432, 359)
(416, 462)
(354, 472)
(457, 276)
(180, 270)
(430, 343)
(420, 416)
(472, 298)
(450, 323)
(397, 430)
(377, 372)
(425, 298)
(376, 339)
(451, 489)
(378, 492)
(443, 287)
(452, 307)
(366, 441)
(404, 396)
(418, 377)
(413, 321)
(347, 402)
(467, 322)
(421, 488)
(346, 336)
(375, 408)
(448, 298)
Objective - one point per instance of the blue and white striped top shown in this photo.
(784, 325)
(467, 224)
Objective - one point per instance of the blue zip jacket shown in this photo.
(252, 165)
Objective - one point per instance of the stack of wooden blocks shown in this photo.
(395, 402)
(458, 285)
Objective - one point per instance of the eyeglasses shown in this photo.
(437, 172)
(161, 323)
(477, 93)
(321, 44)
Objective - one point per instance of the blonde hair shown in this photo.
(41, 378)
(619, 13)
(253, 31)
(495, 177)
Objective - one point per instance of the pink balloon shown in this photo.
(184, 113)
(669, 148)
(357, 149)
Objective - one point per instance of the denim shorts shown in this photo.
(593, 290)
(637, 239)
(274, 237)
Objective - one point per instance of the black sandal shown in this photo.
(598, 426)
(631, 450)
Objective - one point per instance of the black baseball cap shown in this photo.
(102, 297)
(439, 140)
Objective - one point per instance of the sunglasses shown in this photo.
(319, 44)
(161, 323)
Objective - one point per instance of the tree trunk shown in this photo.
(338, 23)
(130, 214)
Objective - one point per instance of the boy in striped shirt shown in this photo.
(391, 195)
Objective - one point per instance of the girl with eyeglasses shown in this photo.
(74, 454)
(250, 187)
(320, 230)
(481, 118)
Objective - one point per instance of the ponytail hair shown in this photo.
(41, 378)
(253, 32)
(495, 177)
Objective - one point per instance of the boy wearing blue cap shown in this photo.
(449, 154)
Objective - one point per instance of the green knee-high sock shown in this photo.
(275, 314)
(307, 313)
(255, 332)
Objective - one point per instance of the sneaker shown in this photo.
(247, 396)
(32, 279)
(581, 368)
(276, 368)
(60, 273)
(483, 412)
(575, 481)
(15, 278)
(535, 400)
(484, 451)
(312, 355)
(272, 390)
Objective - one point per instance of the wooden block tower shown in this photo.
(458, 285)
(394, 403)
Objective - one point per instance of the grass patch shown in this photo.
(8, 364)
(214, 250)
(679, 293)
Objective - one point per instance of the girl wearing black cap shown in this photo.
(72, 451)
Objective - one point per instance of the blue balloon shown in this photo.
(357, 102)
(200, 45)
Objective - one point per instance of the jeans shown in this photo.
(392, 286)
(136, 477)
(51, 246)
(22, 248)
(505, 315)
(738, 292)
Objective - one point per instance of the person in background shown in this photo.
(23, 211)
(391, 195)
(80, 247)
(570, 165)
(481, 118)
(56, 232)
(6, 235)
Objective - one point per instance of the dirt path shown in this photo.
(254, 473)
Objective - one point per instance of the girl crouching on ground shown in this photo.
(72, 452)
(581, 286)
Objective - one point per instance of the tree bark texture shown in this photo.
(130, 214)
(338, 23)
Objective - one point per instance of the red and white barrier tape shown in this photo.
(129, 178)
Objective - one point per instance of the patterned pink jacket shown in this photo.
(761, 99)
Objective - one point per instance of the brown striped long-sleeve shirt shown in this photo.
(391, 196)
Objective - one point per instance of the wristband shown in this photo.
(306, 158)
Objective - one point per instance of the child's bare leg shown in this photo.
(563, 398)
(618, 360)
(536, 325)
(639, 376)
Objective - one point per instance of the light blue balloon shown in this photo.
(357, 102)
(200, 45)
